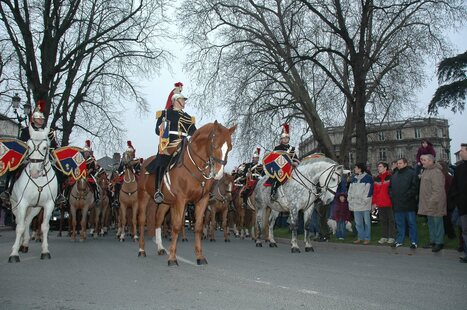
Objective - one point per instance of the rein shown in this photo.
(300, 176)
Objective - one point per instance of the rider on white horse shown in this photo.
(37, 124)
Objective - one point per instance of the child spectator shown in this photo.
(341, 214)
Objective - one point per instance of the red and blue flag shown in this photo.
(70, 161)
(12, 154)
(278, 165)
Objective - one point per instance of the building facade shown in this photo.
(8, 127)
(391, 141)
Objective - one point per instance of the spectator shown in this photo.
(432, 200)
(426, 147)
(458, 192)
(403, 191)
(447, 220)
(393, 166)
(382, 201)
(360, 193)
(341, 214)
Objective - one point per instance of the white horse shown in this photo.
(314, 180)
(35, 188)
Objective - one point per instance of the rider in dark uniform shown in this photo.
(121, 168)
(285, 147)
(255, 170)
(37, 124)
(173, 125)
(92, 169)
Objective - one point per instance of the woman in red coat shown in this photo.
(382, 201)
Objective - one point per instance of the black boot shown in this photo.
(158, 196)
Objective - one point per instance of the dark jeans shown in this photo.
(386, 219)
(323, 215)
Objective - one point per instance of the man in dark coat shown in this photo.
(458, 193)
(403, 191)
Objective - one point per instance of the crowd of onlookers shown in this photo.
(400, 194)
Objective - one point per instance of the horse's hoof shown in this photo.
(142, 254)
(309, 249)
(266, 241)
(201, 261)
(45, 255)
(247, 236)
(59, 234)
(212, 240)
(227, 240)
(273, 245)
(23, 249)
(13, 259)
(172, 262)
(184, 239)
(259, 245)
(295, 250)
(121, 240)
(161, 252)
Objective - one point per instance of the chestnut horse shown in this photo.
(81, 198)
(100, 212)
(201, 161)
(128, 197)
(221, 196)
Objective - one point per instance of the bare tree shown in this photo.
(82, 57)
(300, 59)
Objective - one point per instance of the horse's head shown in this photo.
(328, 182)
(82, 185)
(38, 151)
(227, 183)
(211, 144)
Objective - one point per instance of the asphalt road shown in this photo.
(106, 274)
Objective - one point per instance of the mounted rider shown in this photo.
(37, 124)
(135, 165)
(173, 126)
(283, 146)
(251, 172)
(92, 169)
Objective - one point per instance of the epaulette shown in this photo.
(193, 119)
(159, 113)
(51, 134)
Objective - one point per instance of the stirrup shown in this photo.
(60, 199)
(5, 195)
(158, 197)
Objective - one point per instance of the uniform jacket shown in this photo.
(458, 188)
(381, 190)
(256, 170)
(179, 124)
(403, 190)
(287, 148)
(360, 192)
(432, 197)
(24, 136)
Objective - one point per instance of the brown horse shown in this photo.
(100, 213)
(128, 197)
(201, 161)
(81, 198)
(246, 217)
(221, 196)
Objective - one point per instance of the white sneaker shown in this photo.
(383, 240)
(391, 240)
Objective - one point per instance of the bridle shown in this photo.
(82, 194)
(44, 156)
(320, 189)
(207, 168)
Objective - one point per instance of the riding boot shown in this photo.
(5, 195)
(158, 196)
(274, 188)
(246, 193)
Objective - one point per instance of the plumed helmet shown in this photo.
(285, 131)
(178, 96)
(256, 152)
(177, 90)
(87, 146)
(39, 110)
(130, 146)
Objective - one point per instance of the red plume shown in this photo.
(129, 144)
(41, 105)
(286, 128)
(258, 150)
(88, 143)
(176, 90)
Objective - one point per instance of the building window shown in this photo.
(400, 153)
(398, 134)
(382, 154)
(381, 136)
(418, 133)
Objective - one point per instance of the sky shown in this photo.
(140, 128)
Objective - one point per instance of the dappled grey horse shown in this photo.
(314, 180)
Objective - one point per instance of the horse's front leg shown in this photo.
(260, 225)
(306, 225)
(73, 222)
(200, 208)
(176, 214)
(134, 221)
(48, 208)
(31, 213)
(84, 218)
(224, 223)
(121, 227)
(272, 220)
(293, 227)
(143, 199)
(160, 215)
(20, 227)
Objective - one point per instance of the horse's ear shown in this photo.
(232, 129)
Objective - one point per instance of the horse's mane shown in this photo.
(314, 158)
